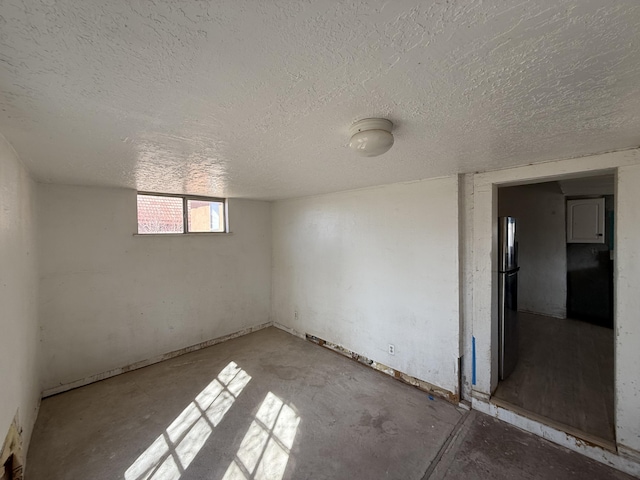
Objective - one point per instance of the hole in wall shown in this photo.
(7, 470)
(11, 455)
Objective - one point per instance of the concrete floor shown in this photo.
(270, 405)
(564, 373)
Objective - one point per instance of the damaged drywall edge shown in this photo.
(380, 367)
(12, 446)
(559, 437)
(289, 330)
(145, 363)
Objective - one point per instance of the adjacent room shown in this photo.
(283, 240)
(564, 365)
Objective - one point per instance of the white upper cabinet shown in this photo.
(585, 220)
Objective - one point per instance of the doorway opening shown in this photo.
(564, 370)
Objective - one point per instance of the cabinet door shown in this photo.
(585, 220)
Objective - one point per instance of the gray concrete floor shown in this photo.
(270, 405)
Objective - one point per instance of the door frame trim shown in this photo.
(484, 281)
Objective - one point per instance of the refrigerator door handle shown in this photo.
(508, 272)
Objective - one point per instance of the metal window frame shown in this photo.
(185, 211)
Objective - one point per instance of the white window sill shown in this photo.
(192, 234)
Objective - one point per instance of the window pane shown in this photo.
(205, 216)
(160, 214)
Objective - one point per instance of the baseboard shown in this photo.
(398, 375)
(558, 436)
(630, 453)
(380, 367)
(404, 377)
(145, 363)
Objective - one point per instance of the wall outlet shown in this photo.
(392, 349)
(295, 314)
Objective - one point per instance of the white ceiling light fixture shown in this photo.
(371, 137)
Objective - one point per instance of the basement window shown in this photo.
(179, 214)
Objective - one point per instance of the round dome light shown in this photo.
(371, 137)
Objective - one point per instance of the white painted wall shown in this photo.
(627, 310)
(542, 248)
(109, 298)
(19, 340)
(465, 191)
(373, 267)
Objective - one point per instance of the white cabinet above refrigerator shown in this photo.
(585, 220)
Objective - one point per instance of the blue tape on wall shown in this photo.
(473, 360)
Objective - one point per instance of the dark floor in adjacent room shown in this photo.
(272, 406)
(564, 373)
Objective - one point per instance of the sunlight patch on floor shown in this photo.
(171, 453)
(265, 449)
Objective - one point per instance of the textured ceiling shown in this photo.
(255, 99)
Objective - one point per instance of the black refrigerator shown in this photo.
(507, 295)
